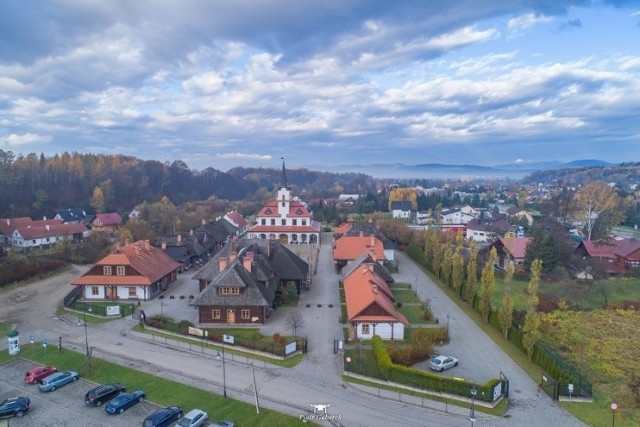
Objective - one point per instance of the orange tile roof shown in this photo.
(343, 228)
(297, 209)
(351, 247)
(283, 229)
(9, 225)
(97, 279)
(360, 295)
(365, 274)
(50, 230)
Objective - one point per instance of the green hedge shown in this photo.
(426, 380)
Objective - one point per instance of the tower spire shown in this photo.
(283, 176)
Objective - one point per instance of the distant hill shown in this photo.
(437, 170)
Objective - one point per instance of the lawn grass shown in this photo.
(5, 328)
(413, 312)
(286, 363)
(406, 296)
(157, 389)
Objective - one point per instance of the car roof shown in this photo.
(192, 413)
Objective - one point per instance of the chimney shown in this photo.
(147, 245)
(8, 221)
(44, 218)
(179, 237)
(191, 232)
(373, 241)
(126, 241)
(223, 263)
(232, 256)
(361, 233)
(370, 267)
(374, 288)
(246, 263)
(47, 227)
(204, 222)
(164, 246)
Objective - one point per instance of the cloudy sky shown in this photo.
(322, 83)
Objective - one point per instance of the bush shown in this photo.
(276, 337)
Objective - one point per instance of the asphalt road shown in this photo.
(314, 381)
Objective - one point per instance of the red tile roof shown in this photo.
(237, 219)
(516, 246)
(283, 229)
(151, 264)
(50, 230)
(108, 219)
(297, 209)
(343, 228)
(365, 274)
(351, 247)
(629, 249)
(600, 249)
(9, 225)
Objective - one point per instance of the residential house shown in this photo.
(455, 217)
(484, 230)
(618, 256)
(184, 248)
(469, 210)
(71, 215)
(242, 282)
(106, 222)
(135, 271)
(516, 212)
(215, 235)
(369, 302)
(238, 221)
(349, 248)
(511, 251)
(401, 209)
(285, 219)
(8, 226)
(46, 233)
(368, 228)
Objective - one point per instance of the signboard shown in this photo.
(44, 343)
(570, 387)
(113, 310)
(229, 339)
(290, 348)
(497, 391)
(196, 331)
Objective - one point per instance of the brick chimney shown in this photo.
(147, 245)
(246, 262)
(204, 222)
(179, 237)
(232, 256)
(361, 233)
(373, 241)
(223, 263)
(164, 246)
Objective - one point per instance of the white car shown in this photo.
(440, 363)
(194, 418)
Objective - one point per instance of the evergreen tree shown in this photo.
(446, 265)
(457, 271)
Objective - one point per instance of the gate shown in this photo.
(505, 384)
(550, 386)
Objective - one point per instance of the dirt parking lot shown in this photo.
(65, 406)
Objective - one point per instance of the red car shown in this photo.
(37, 373)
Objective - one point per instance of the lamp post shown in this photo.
(161, 305)
(416, 283)
(472, 415)
(224, 375)
(614, 406)
(86, 335)
(448, 317)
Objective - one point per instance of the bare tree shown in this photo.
(295, 321)
(592, 199)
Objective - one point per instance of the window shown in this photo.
(95, 290)
(294, 222)
(366, 329)
(106, 270)
(215, 314)
(133, 292)
(244, 314)
(120, 270)
(273, 221)
(283, 222)
(230, 290)
(304, 222)
(263, 221)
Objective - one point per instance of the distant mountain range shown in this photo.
(437, 170)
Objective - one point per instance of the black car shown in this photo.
(102, 393)
(163, 417)
(14, 407)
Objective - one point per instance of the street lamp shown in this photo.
(161, 305)
(448, 317)
(614, 406)
(86, 336)
(224, 375)
(472, 415)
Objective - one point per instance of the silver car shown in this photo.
(440, 363)
(194, 418)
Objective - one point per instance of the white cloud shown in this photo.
(25, 139)
(523, 23)
(244, 156)
(460, 37)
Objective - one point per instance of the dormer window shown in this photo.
(268, 211)
(230, 290)
(106, 270)
(299, 212)
(120, 270)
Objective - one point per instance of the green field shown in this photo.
(158, 390)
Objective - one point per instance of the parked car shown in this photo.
(57, 380)
(124, 401)
(222, 424)
(163, 417)
(102, 393)
(38, 372)
(14, 407)
(440, 363)
(193, 418)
